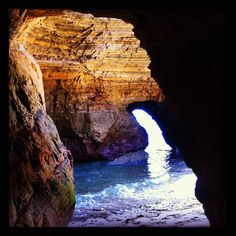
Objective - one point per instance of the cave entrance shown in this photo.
(156, 140)
(157, 148)
(162, 160)
(151, 187)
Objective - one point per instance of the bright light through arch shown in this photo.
(158, 150)
(156, 140)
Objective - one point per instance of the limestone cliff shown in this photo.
(93, 68)
(41, 189)
(187, 49)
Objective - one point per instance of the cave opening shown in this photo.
(140, 188)
(151, 187)
(161, 156)
(156, 140)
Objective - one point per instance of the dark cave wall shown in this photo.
(190, 67)
(187, 51)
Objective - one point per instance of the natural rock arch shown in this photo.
(177, 58)
(80, 89)
(92, 68)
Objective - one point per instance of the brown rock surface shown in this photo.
(187, 49)
(41, 189)
(92, 68)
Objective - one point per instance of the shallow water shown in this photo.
(147, 189)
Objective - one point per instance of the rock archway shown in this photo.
(182, 45)
(91, 69)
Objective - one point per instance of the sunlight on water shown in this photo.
(143, 188)
(158, 151)
(157, 147)
(157, 165)
(184, 187)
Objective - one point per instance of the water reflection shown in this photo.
(160, 163)
(145, 188)
(157, 148)
(157, 166)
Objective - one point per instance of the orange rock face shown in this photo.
(93, 68)
(41, 188)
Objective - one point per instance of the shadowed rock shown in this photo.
(41, 189)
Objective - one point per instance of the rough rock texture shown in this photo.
(187, 51)
(92, 68)
(191, 60)
(41, 189)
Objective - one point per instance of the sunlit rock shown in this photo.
(187, 49)
(92, 69)
(41, 189)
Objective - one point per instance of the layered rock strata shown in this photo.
(187, 49)
(92, 68)
(41, 189)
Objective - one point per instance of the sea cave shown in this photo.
(81, 84)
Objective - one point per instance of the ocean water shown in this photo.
(140, 189)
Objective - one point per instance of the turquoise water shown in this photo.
(138, 189)
(151, 188)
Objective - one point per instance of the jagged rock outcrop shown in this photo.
(92, 68)
(41, 189)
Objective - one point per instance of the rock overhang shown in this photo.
(93, 68)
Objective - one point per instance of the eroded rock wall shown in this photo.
(187, 49)
(92, 68)
(188, 56)
(191, 63)
(41, 189)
